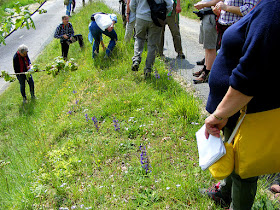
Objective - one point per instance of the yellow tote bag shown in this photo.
(225, 165)
(256, 144)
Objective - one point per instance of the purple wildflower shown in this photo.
(70, 112)
(169, 75)
(116, 124)
(74, 91)
(145, 163)
(95, 122)
(77, 101)
(86, 117)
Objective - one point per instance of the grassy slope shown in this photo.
(51, 158)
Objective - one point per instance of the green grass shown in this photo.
(11, 3)
(52, 159)
(188, 8)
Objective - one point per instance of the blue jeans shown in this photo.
(68, 8)
(96, 33)
(21, 78)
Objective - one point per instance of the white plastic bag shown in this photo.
(103, 21)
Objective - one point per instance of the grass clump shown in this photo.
(101, 136)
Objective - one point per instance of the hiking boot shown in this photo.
(215, 194)
(135, 66)
(181, 56)
(202, 78)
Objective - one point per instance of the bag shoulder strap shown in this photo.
(243, 114)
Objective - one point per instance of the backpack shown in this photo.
(66, 2)
(158, 12)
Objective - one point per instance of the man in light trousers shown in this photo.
(144, 25)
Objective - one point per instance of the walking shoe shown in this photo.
(181, 56)
(215, 194)
(202, 78)
(135, 66)
(200, 63)
(198, 73)
(147, 73)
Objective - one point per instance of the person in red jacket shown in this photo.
(22, 64)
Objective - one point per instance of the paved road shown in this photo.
(36, 40)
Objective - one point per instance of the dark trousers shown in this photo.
(21, 78)
(64, 49)
(65, 44)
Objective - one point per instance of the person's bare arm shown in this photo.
(201, 5)
(232, 102)
(231, 9)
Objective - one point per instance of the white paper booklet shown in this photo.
(210, 150)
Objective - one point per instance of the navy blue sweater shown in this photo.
(248, 60)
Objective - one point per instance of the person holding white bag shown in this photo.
(102, 24)
(236, 81)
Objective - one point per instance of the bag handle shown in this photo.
(243, 112)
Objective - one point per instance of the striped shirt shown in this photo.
(228, 18)
(62, 29)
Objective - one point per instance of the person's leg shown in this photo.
(207, 37)
(243, 192)
(31, 86)
(161, 43)
(153, 42)
(210, 56)
(140, 37)
(112, 43)
(65, 49)
(21, 78)
(74, 5)
(96, 33)
(68, 9)
(129, 31)
(173, 24)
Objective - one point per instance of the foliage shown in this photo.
(7, 77)
(16, 18)
(59, 65)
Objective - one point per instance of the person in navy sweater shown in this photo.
(238, 78)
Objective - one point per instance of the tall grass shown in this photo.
(78, 144)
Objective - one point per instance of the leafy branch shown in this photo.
(59, 65)
(17, 17)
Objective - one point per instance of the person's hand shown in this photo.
(29, 67)
(199, 5)
(178, 9)
(221, 6)
(110, 28)
(214, 125)
(127, 17)
(65, 36)
(216, 11)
